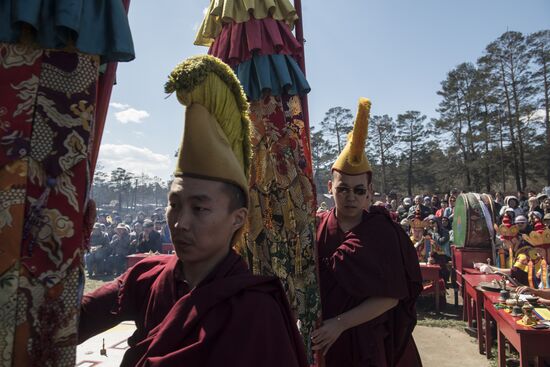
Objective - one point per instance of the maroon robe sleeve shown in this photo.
(116, 301)
(369, 261)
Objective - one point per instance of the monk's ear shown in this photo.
(329, 186)
(239, 218)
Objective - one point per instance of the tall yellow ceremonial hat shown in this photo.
(353, 160)
(216, 139)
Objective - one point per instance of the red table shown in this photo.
(431, 272)
(527, 341)
(473, 301)
(167, 248)
(463, 260)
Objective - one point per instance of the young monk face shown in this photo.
(201, 219)
(351, 194)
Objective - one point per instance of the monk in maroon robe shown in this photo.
(231, 318)
(369, 273)
(202, 307)
(373, 259)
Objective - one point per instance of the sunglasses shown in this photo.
(359, 191)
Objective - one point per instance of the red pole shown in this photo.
(104, 89)
(319, 361)
(302, 63)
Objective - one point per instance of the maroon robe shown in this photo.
(232, 318)
(373, 259)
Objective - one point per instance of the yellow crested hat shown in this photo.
(519, 259)
(539, 236)
(216, 139)
(353, 160)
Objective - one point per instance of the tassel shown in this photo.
(298, 256)
(502, 258)
(255, 259)
(268, 216)
(530, 274)
(544, 273)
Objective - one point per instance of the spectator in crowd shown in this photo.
(436, 203)
(158, 225)
(523, 226)
(446, 224)
(427, 201)
(439, 234)
(511, 202)
(443, 205)
(533, 205)
(149, 239)
(450, 210)
(102, 218)
(510, 213)
(120, 245)
(424, 210)
(499, 198)
(98, 253)
(544, 204)
(546, 220)
(140, 217)
(137, 230)
(532, 218)
(111, 229)
(160, 213)
(403, 209)
(522, 201)
(165, 233)
(128, 219)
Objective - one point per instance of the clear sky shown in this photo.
(395, 52)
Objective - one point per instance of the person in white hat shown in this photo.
(523, 225)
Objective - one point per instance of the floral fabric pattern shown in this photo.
(281, 224)
(46, 119)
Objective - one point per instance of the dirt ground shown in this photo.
(442, 347)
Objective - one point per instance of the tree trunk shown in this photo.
(338, 135)
(464, 149)
(518, 127)
(547, 119)
(409, 180)
(511, 127)
(383, 160)
(502, 165)
(487, 141)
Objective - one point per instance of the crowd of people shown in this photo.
(429, 221)
(114, 237)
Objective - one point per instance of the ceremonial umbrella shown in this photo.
(255, 38)
(52, 112)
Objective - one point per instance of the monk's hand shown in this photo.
(327, 334)
(523, 289)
